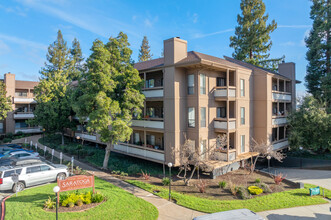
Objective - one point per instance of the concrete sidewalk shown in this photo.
(167, 210)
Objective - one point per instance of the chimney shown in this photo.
(175, 49)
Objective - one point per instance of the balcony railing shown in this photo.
(221, 155)
(29, 130)
(281, 96)
(278, 120)
(222, 92)
(89, 137)
(23, 115)
(155, 92)
(280, 144)
(140, 151)
(24, 100)
(149, 123)
(220, 123)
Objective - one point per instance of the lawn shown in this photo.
(119, 205)
(95, 155)
(285, 199)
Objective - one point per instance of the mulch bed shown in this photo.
(82, 208)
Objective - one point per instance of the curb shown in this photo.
(3, 210)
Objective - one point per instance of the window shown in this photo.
(203, 149)
(136, 138)
(44, 168)
(150, 139)
(190, 83)
(9, 173)
(33, 169)
(202, 84)
(274, 134)
(150, 83)
(242, 115)
(203, 117)
(22, 155)
(242, 87)
(221, 112)
(220, 81)
(191, 117)
(242, 143)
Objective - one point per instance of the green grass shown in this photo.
(286, 199)
(95, 156)
(119, 205)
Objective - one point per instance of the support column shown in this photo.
(277, 84)
(228, 145)
(144, 80)
(145, 139)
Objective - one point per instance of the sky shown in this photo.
(27, 27)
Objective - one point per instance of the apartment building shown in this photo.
(190, 95)
(23, 105)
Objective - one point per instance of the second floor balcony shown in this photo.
(23, 115)
(149, 123)
(223, 92)
(223, 124)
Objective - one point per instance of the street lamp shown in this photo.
(269, 157)
(78, 137)
(56, 189)
(169, 165)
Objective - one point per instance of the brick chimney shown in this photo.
(175, 49)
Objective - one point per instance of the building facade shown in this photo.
(190, 95)
(23, 104)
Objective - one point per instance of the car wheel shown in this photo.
(18, 187)
(61, 176)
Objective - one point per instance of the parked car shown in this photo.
(237, 214)
(12, 146)
(19, 154)
(3, 149)
(18, 161)
(31, 175)
(14, 150)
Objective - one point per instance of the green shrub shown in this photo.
(20, 133)
(165, 181)
(258, 180)
(133, 169)
(97, 198)
(124, 174)
(254, 190)
(10, 135)
(87, 197)
(79, 202)
(7, 140)
(71, 204)
(264, 187)
(243, 193)
(49, 203)
(222, 184)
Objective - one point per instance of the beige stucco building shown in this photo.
(23, 104)
(190, 95)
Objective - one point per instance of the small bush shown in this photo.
(202, 186)
(233, 188)
(265, 187)
(49, 203)
(10, 135)
(71, 204)
(20, 133)
(258, 180)
(117, 172)
(97, 198)
(165, 181)
(124, 174)
(222, 184)
(243, 193)
(278, 178)
(7, 140)
(133, 169)
(79, 202)
(146, 176)
(254, 190)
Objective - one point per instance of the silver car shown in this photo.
(30, 175)
(20, 154)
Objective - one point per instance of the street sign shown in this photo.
(60, 157)
(52, 152)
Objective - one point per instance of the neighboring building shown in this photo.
(199, 97)
(23, 104)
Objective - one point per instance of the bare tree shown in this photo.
(263, 149)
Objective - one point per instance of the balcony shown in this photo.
(22, 100)
(280, 144)
(279, 120)
(23, 115)
(88, 137)
(149, 123)
(29, 130)
(221, 123)
(140, 151)
(281, 96)
(222, 92)
(156, 92)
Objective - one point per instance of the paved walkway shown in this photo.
(167, 210)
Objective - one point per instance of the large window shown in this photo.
(202, 84)
(220, 81)
(221, 112)
(190, 84)
(150, 83)
(191, 117)
(242, 115)
(242, 143)
(242, 87)
(203, 117)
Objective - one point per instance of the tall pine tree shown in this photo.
(77, 59)
(145, 51)
(109, 92)
(252, 42)
(53, 109)
(318, 78)
(5, 102)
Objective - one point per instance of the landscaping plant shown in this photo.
(258, 180)
(134, 169)
(49, 203)
(165, 181)
(146, 176)
(264, 187)
(233, 188)
(254, 190)
(243, 193)
(201, 185)
(278, 178)
(222, 184)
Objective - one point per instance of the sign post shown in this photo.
(52, 154)
(31, 144)
(36, 145)
(14, 177)
(45, 151)
(72, 165)
(61, 158)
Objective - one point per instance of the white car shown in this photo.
(20, 155)
(31, 174)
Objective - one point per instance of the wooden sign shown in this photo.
(76, 182)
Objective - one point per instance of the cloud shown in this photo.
(306, 34)
(293, 26)
(15, 10)
(23, 42)
(4, 48)
(149, 22)
(196, 36)
(195, 18)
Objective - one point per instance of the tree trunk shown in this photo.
(188, 180)
(250, 54)
(107, 155)
(62, 138)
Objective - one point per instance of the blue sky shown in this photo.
(27, 27)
